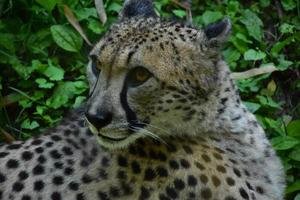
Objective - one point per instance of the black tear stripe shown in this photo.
(130, 114)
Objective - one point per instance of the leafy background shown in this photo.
(42, 60)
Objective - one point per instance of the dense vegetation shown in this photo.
(43, 59)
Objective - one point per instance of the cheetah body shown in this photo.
(207, 145)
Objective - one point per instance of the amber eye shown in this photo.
(138, 76)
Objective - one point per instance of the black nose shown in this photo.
(99, 120)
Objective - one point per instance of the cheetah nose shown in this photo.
(99, 120)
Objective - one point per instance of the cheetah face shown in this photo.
(148, 78)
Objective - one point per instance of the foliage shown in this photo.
(43, 63)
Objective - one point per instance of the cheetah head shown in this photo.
(150, 78)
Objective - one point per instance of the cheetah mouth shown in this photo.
(114, 139)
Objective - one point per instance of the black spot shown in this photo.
(179, 184)
(114, 192)
(27, 155)
(80, 196)
(105, 161)
(121, 174)
(206, 193)
(161, 171)
(260, 190)
(2, 178)
(55, 154)
(86, 178)
(55, 196)
(26, 197)
(206, 158)
(203, 178)
(11, 163)
(230, 181)
(67, 151)
(49, 144)
(237, 172)
(184, 163)
(192, 181)
(174, 164)
(216, 181)
(39, 150)
(13, 146)
(36, 142)
(58, 180)
(17, 186)
(122, 161)
(68, 171)
(163, 197)
(199, 166)
(37, 170)
(73, 186)
(161, 156)
(103, 196)
(58, 165)
(55, 138)
(135, 167)
(243, 193)
(171, 192)
(22, 175)
(38, 185)
(3, 154)
(41, 159)
(145, 194)
(187, 149)
(230, 198)
(221, 169)
(149, 174)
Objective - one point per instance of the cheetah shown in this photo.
(163, 121)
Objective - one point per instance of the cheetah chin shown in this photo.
(108, 139)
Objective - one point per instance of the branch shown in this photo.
(101, 11)
(72, 19)
(7, 137)
(254, 72)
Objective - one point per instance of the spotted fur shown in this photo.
(182, 134)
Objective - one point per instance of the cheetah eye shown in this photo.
(138, 76)
(95, 65)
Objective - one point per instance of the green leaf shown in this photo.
(293, 128)
(54, 73)
(48, 4)
(95, 26)
(26, 124)
(267, 101)
(7, 41)
(115, 7)
(265, 3)
(179, 13)
(295, 154)
(43, 83)
(78, 101)
(253, 24)
(211, 16)
(85, 13)
(286, 28)
(280, 45)
(284, 142)
(66, 38)
(252, 107)
(64, 92)
(297, 197)
(283, 64)
(251, 54)
(288, 4)
(231, 56)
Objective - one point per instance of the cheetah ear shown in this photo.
(218, 33)
(135, 8)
